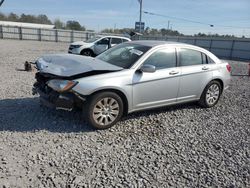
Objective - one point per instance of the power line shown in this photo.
(176, 18)
(1, 2)
(193, 21)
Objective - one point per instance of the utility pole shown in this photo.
(168, 24)
(140, 1)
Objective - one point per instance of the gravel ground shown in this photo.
(183, 146)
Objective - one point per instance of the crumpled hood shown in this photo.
(66, 65)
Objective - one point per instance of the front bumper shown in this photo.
(74, 50)
(59, 101)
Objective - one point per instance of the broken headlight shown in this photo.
(61, 85)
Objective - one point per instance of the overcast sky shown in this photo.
(227, 16)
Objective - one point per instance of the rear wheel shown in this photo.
(104, 110)
(211, 94)
(87, 53)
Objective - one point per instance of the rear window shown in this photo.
(210, 61)
(116, 40)
(125, 40)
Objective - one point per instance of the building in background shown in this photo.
(27, 25)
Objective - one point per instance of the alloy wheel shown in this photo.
(87, 53)
(106, 111)
(213, 94)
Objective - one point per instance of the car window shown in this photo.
(104, 41)
(125, 40)
(165, 58)
(190, 57)
(124, 55)
(210, 61)
(116, 41)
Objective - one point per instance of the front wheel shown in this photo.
(211, 94)
(104, 110)
(87, 53)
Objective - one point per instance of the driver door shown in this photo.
(101, 45)
(160, 87)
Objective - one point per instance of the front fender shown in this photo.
(89, 85)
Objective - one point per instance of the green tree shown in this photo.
(2, 17)
(147, 30)
(28, 18)
(107, 31)
(59, 24)
(13, 17)
(43, 19)
(83, 28)
(164, 31)
(154, 32)
(73, 25)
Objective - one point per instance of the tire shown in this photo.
(211, 94)
(103, 110)
(87, 53)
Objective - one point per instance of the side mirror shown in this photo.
(148, 68)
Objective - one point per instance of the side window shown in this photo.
(104, 41)
(190, 57)
(116, 41)
(210, 61)
(124, 40)
(165, 58)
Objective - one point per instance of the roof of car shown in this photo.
(101, 36)
(156, 43)
(153, 43)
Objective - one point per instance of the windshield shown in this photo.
(92, 39)
(124, 55)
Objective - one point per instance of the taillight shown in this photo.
(229, 68)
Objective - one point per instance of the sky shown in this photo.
(227, 16)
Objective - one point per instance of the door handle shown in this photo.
(173, 72)
(205, 68)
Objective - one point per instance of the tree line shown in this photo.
(42, 19)
(164, 32)
(147, 31)
(75, 25)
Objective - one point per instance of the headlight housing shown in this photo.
(62, 85)
(76, 46)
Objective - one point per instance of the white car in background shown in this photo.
(95, 46)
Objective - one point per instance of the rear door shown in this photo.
(195, 73)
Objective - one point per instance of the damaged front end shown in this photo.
(55, 92)
(57, 75)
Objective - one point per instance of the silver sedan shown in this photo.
(130, 77)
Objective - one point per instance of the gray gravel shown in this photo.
(183, 146)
